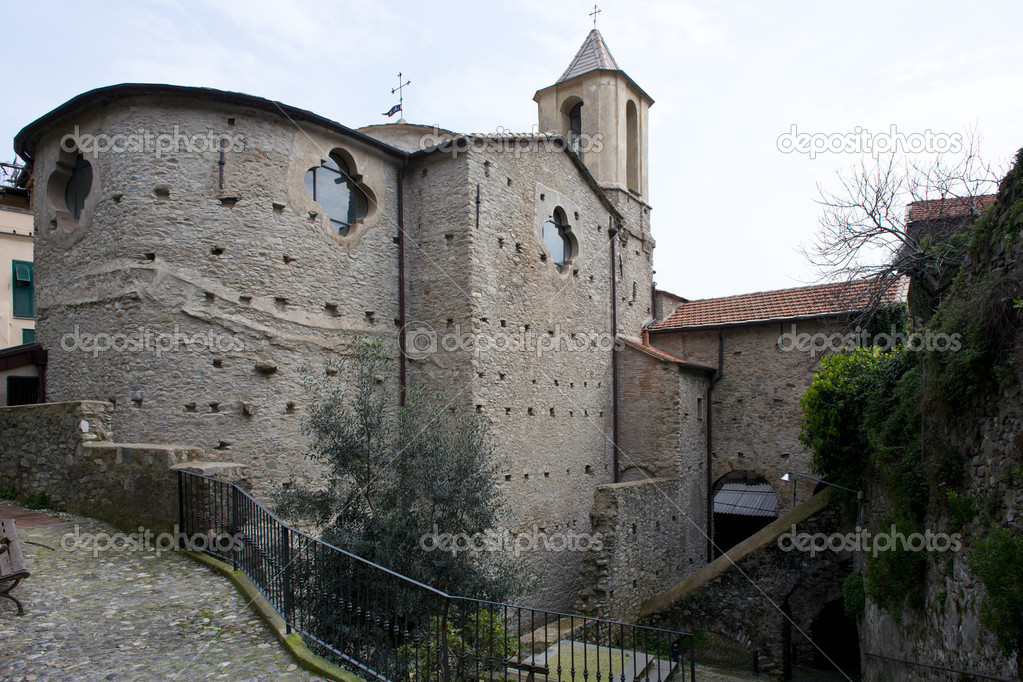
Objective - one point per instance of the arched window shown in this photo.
(632, 146)
(575, 126)
(78, 186)
(555, 238)
(331, 185)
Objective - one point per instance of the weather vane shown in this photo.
(401, 98)
(594, 14)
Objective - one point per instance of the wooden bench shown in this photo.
(12, 562)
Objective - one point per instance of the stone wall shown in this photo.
(652, 525)
(65, 451)
(236, 287)
(760, 595)
(947, 631)
(645, 545)
(541, 369)
(755, 403)
(662, 425)
(985, 434)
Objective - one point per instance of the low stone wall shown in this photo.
(643, 535)
(758, 594)
(65, 451)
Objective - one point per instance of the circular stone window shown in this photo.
(331, 185)
(78, 186)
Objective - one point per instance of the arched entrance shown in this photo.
(744, 502)
(836, 636)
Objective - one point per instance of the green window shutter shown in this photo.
(28, 336)
(23, 289)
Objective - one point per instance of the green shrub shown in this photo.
(479, 643)
(36, 501)
(833, 407)
(892, 423)
(9, 493)
(854, 597)
(961, 509)
(997, 561)
(895, 577)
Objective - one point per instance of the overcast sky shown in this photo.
(728, 78)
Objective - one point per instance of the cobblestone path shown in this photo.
(130, 615)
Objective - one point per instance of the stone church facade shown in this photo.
(198, 251)
(193, 278)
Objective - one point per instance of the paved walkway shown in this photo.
(26, 518)
(130, 615)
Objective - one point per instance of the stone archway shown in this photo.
(838, 638)
(744, 502)
(816, 605)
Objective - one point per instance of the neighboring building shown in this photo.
(929, 223)
(17, 309)
(939, 219)
(22, 361)
(765, 347)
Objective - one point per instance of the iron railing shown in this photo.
(390, 627)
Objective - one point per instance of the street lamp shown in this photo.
(787, 476)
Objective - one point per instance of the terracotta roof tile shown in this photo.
(949, 207)
(812, 301)
(661, 355)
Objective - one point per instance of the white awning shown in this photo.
(746, 499)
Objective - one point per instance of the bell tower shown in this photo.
(604, 114)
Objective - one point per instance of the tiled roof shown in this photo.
(661, 355)
(592, 55)
(949, 207)
(746, 499)
(812, 301)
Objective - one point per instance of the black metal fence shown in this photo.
(391, 627)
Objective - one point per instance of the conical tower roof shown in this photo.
(593, 55)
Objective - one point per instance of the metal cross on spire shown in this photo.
(594, 14)
(401, 97)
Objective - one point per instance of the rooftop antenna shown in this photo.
(401, 99)
(594, 14)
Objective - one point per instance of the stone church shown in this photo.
(198, 250)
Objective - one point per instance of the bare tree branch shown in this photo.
(866, 230)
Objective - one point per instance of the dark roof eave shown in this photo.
(627, 77)
(27, 136)
(20, 356)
